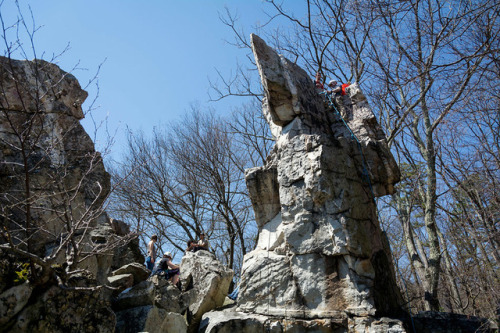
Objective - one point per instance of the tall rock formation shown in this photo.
(53, 185)
(52, 180)
(321, 254)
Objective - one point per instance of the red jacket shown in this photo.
(345, 85)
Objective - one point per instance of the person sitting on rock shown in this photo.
(202, 244)
(167, 267)
(190, 245)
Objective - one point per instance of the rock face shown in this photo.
(58, 310)
(207, 280)
(49, 161)
(324, 251)
(320, 258)
(229, 321)
(126, 254)
(53, 184)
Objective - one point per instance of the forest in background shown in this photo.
(431, 72)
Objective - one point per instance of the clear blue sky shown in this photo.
(159, 53)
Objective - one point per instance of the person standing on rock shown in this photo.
(202, 244)
(150, 260)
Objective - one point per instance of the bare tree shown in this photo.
(419, 62)
(187, 180)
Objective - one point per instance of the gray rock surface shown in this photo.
(207, 281)
(13, 300)
(128, 253)
(229, 321)
(138, 271)
(60, 310)
(122, 281)
(320, 249)
(149, 319)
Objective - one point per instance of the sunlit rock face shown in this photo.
(49, 161)
(321, 252)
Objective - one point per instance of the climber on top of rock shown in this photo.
(335, 88)
(333, 85)
(343, 88)
(318, 82)
(167, 267)
(202, 244)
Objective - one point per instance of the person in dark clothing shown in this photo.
(170, 269)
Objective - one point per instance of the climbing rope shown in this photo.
(366, 178)
(364, 173)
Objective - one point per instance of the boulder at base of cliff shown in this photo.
(200, 271)
(13, 300)
(121, 282)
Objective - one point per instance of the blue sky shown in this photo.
(159, 54)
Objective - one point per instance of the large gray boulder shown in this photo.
(138, 271)
(207, 282)
(121, 282)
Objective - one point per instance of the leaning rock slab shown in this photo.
(210, 280)
(138, 271)
(122, 281)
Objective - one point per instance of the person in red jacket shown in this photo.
(343, 87)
